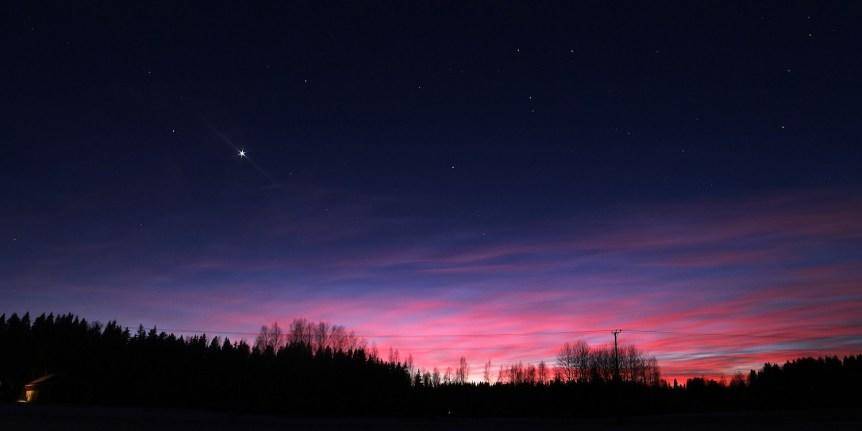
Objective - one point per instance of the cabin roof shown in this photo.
(40, 380)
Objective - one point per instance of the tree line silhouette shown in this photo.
(109, 365)
(314, 368)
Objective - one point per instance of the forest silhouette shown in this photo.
(318, 369)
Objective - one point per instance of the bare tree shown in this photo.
(582, 363)
(653, 373)
(517, 373)
(530, 374)
(338, 338)
(542, 371)
(300, 332)
(409, 363)
(426, 379)
(269, 338)
(567, 363)
(581, 356)
(486, 375)
(354, 342)
(463, 371)
(602, 364)
(394, 356)
(320, 336)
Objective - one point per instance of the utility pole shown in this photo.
(616, 356)
(616, 385)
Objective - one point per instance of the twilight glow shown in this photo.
(445, 184)
(786, 269)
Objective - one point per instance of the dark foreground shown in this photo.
(30, 417)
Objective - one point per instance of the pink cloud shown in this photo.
(777, 275)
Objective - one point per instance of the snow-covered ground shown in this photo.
(47, 418)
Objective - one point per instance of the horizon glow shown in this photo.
(677, 171)
(783, 268)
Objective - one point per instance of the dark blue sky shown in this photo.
(401, 154)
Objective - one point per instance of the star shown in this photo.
(242, 153)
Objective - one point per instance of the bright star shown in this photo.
(242, 153)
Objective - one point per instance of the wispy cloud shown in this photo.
(779, 276)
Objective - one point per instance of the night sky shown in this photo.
(487, 179)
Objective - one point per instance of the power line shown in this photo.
(453, 335)
(713, 334)
(776, 335)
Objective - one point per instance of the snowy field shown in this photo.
(26, 418)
